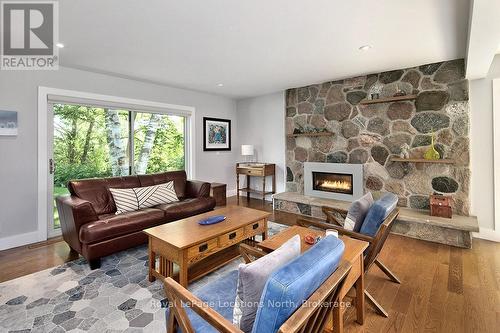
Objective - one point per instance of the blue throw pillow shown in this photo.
(377, 214)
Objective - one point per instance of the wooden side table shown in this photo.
(218, 192)
(257, 170)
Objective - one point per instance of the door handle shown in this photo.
(52, 166)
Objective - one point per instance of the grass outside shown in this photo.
(57, 192)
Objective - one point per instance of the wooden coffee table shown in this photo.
(191, 246)
(353, 253)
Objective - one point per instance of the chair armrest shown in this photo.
(248, 252)
(341, 230)
(178, 296)
(197, 189)
(328, 211)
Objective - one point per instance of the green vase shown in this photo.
(432, 153)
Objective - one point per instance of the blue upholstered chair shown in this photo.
(374, 230)
(296, 296)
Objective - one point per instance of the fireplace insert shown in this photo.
(332, 182)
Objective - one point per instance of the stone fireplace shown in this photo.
(333, 180)
(371, 135)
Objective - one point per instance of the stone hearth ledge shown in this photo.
(414, 223)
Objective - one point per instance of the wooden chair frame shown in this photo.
(373, 250)
(311, 317)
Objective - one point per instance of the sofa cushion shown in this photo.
(219, 294)
(289, 286)
(185, 208)
(377, 213)
(357, 212)
(253, 277)
(178, 177)
(96, 191)
(111, 225)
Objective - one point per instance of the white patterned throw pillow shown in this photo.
(150, 196)
(125, 200)
(132, 199)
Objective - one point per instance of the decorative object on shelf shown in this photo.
(212, 220)
(216, 134)
(376, 90)
(432, 153)
(388, 99)
(8, 123)
(399, 92)
(440, 205)
(322, 133)
(405, 151)
(247, 151)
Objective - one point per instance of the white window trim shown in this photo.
(496, 153)
(78, 97)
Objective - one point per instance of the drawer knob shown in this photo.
(232, 235)
(255, 226)
(203, 247)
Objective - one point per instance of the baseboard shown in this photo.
(487, 234)
(231, 193)
(19, 240)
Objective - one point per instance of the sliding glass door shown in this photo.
(159, 142)
(93, 142)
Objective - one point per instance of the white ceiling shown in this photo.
(259, 46)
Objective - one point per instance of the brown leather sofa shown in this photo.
(91, 227)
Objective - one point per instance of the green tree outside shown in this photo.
(91, 142)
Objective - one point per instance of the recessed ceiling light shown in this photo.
(60, 45)
(220, 85)
(365, 47)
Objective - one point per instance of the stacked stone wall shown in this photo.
(371, 133)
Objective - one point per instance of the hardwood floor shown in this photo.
(443, 289)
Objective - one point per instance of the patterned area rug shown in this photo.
(115, 298)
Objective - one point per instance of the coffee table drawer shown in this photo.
(232, 237)
(255, 228)
(202, 250)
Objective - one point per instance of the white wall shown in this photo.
(481, 108)
(18, 155)
(262, 123)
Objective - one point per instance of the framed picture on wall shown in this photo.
(8, 123)
(216, 134)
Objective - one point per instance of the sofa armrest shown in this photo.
(73, 213)
(180, 298)
(197, 189)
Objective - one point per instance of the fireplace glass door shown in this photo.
(332, 182)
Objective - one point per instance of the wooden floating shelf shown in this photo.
(422, 160)
(388, 99)
(311, 134)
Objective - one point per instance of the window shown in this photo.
(93, 142)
